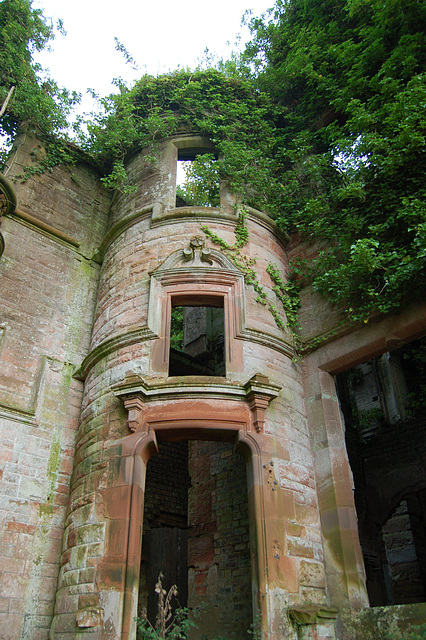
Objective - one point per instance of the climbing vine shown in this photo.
(54, 153)
(287, 293)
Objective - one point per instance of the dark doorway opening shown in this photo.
(383, 402)
(196, 532)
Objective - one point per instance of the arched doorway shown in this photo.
(196, 409)
(196, 533)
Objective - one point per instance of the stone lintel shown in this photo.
(135, 391)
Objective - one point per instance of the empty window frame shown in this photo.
(197, 338)
(197, 181)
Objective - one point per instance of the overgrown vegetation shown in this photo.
(173, 624)
(287, 293)
(201, 185)
(350, 78)
(320, 122)
(28, 98)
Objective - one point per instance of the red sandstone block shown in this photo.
(41, 633)
(12, 565)
(87, 575)
(201, 577)
(11, 625)
(60, 499)
(300, 548)
(4, 605)
(20, 527)
(13, 586)
(295, 530)
(17, 606)
(45, 608)
(49, 569)
(306, 515)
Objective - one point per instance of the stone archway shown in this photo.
(232, 424)
(196, 533)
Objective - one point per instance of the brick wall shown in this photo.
(219, 552)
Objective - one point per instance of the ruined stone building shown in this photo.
(154, 418)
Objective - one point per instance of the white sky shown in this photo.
(160, 36)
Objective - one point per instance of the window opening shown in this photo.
(196, 533)
(383, 402)
(197, 341)
(197, 181)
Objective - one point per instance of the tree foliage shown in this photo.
(201, 184)
(36, 101)
(237, 118)
(321, 123)
(349, 75)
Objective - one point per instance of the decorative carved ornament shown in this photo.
(135, 392)
(196, 253)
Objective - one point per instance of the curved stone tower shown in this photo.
(155, 257)
(140, 351)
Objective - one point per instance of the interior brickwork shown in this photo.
(386, 451)
(196, 495)
(219, 548)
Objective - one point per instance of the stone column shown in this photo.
(343, 556)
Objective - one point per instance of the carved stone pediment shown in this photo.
(196, 255)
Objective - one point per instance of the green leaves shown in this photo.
(201, 186)
(350, 79)
(321, 123)
(37, 101)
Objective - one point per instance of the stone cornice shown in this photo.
(46, 229)
(142, 334)
(266, 340)
(193, 386)
(119, 227)
(110, 345)
(18, 415)
(215, 214)
(135, 391)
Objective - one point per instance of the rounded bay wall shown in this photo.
(98, 565)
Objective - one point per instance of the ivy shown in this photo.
(240, 260)
(287, 293)
(54, 153)
(350, 79)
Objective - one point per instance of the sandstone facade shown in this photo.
(88, 283)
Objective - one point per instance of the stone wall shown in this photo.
(48, 289)
(219, 549)
(86, 398)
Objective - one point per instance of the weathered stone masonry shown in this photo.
(87, 286)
